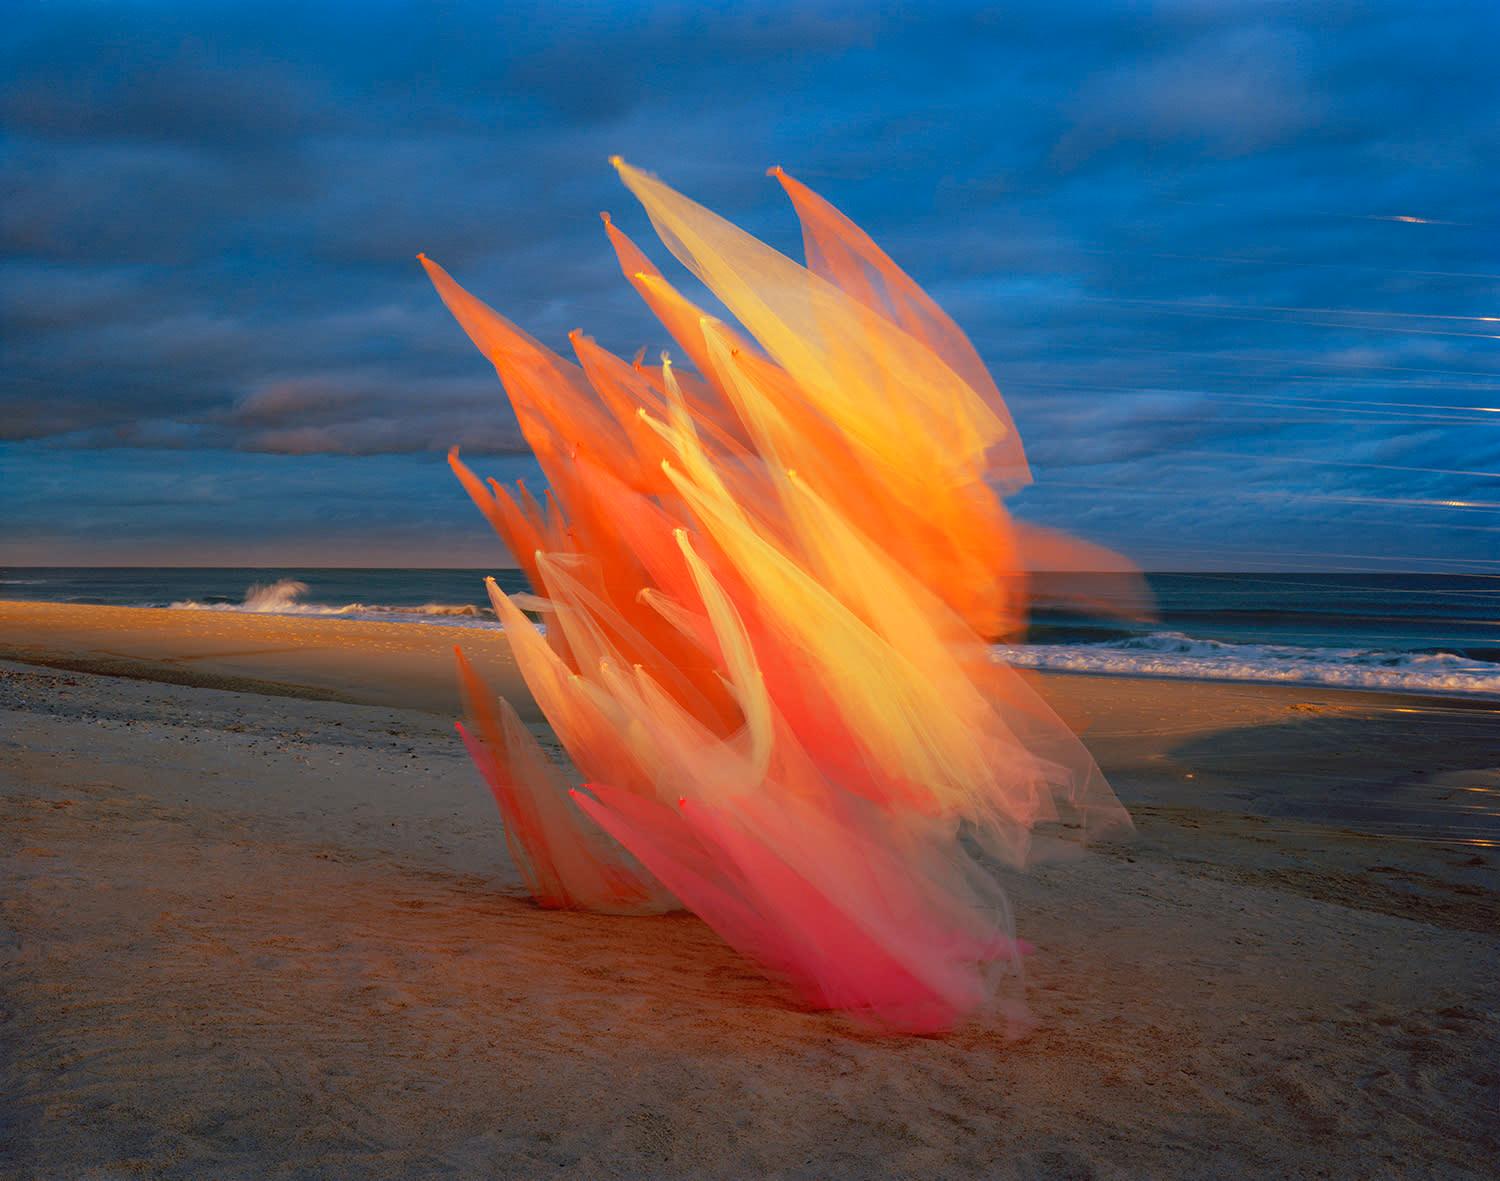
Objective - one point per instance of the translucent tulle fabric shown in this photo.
(769, 588)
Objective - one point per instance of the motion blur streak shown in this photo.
(770, 590)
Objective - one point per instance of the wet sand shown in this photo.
(256, 921)
(401, 664)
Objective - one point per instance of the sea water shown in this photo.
(1435, 633)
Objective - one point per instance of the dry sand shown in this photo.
(252, 929)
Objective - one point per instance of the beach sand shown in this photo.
(256, 922)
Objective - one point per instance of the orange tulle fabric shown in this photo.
(768, 590)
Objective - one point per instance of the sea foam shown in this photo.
(1178, 655)
(285, 597)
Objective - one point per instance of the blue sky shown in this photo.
(1172, 230)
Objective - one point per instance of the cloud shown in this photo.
(212, 211)
(364, 415)
(1233, 90)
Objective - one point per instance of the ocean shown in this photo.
(1435, 633)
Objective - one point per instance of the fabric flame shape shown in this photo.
(770, 588)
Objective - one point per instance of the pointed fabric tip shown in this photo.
(434, 271)
(819, 675)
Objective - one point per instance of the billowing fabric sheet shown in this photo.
(768, 590)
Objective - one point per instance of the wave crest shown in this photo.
(1178, 655)
(285, 597)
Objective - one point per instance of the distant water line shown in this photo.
(1381, 632)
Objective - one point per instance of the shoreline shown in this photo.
(406, 665)
(1161, 740)
(70, 625)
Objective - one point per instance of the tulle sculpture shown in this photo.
(768, 590)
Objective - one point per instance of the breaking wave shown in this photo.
(285, 597)
(1175, 654)
(1158, 654)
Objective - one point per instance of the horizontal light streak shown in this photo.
(1272, 360)
(1241, 260)
(1307, 459)
(1172, 310)
(1240, 307)
(1281, 495)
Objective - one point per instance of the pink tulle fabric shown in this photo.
(768, 590)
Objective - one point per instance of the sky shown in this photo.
(1229, 263)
